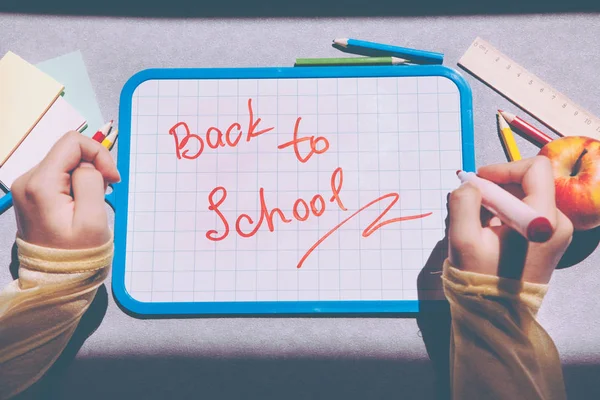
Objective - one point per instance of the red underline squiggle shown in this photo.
(368, 231)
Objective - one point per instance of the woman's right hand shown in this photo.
(494, 248)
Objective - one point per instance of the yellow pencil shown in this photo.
(509, 139)
(109, 141)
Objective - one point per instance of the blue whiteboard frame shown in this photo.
(120, 195)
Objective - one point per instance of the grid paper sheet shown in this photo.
(388, 140)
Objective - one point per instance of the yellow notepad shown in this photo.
(26, 94)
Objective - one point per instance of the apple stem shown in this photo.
(577, 165)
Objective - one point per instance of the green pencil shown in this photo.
(311, 62)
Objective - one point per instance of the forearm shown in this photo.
(40, 310)
(498, 350)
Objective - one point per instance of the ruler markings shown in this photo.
(531, 93)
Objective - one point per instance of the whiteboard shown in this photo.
(285, 190)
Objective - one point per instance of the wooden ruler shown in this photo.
(528, 91)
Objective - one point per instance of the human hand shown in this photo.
(485, 245)
(60, 202)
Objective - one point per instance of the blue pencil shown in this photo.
(375, 49)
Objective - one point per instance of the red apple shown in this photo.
(576, 165)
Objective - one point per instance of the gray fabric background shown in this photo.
(305, 358)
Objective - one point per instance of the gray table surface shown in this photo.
(302, 358)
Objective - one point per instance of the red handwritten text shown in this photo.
(312, 142)
(245, 225)
(214, 137)
(301, 211)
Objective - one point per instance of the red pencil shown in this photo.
(101, 133)
(531, 131)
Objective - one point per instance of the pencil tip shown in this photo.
(341, 42)
(398, 60)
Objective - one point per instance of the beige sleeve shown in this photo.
(41, 309)
(498, 350)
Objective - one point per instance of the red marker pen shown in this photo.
(511, 211)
